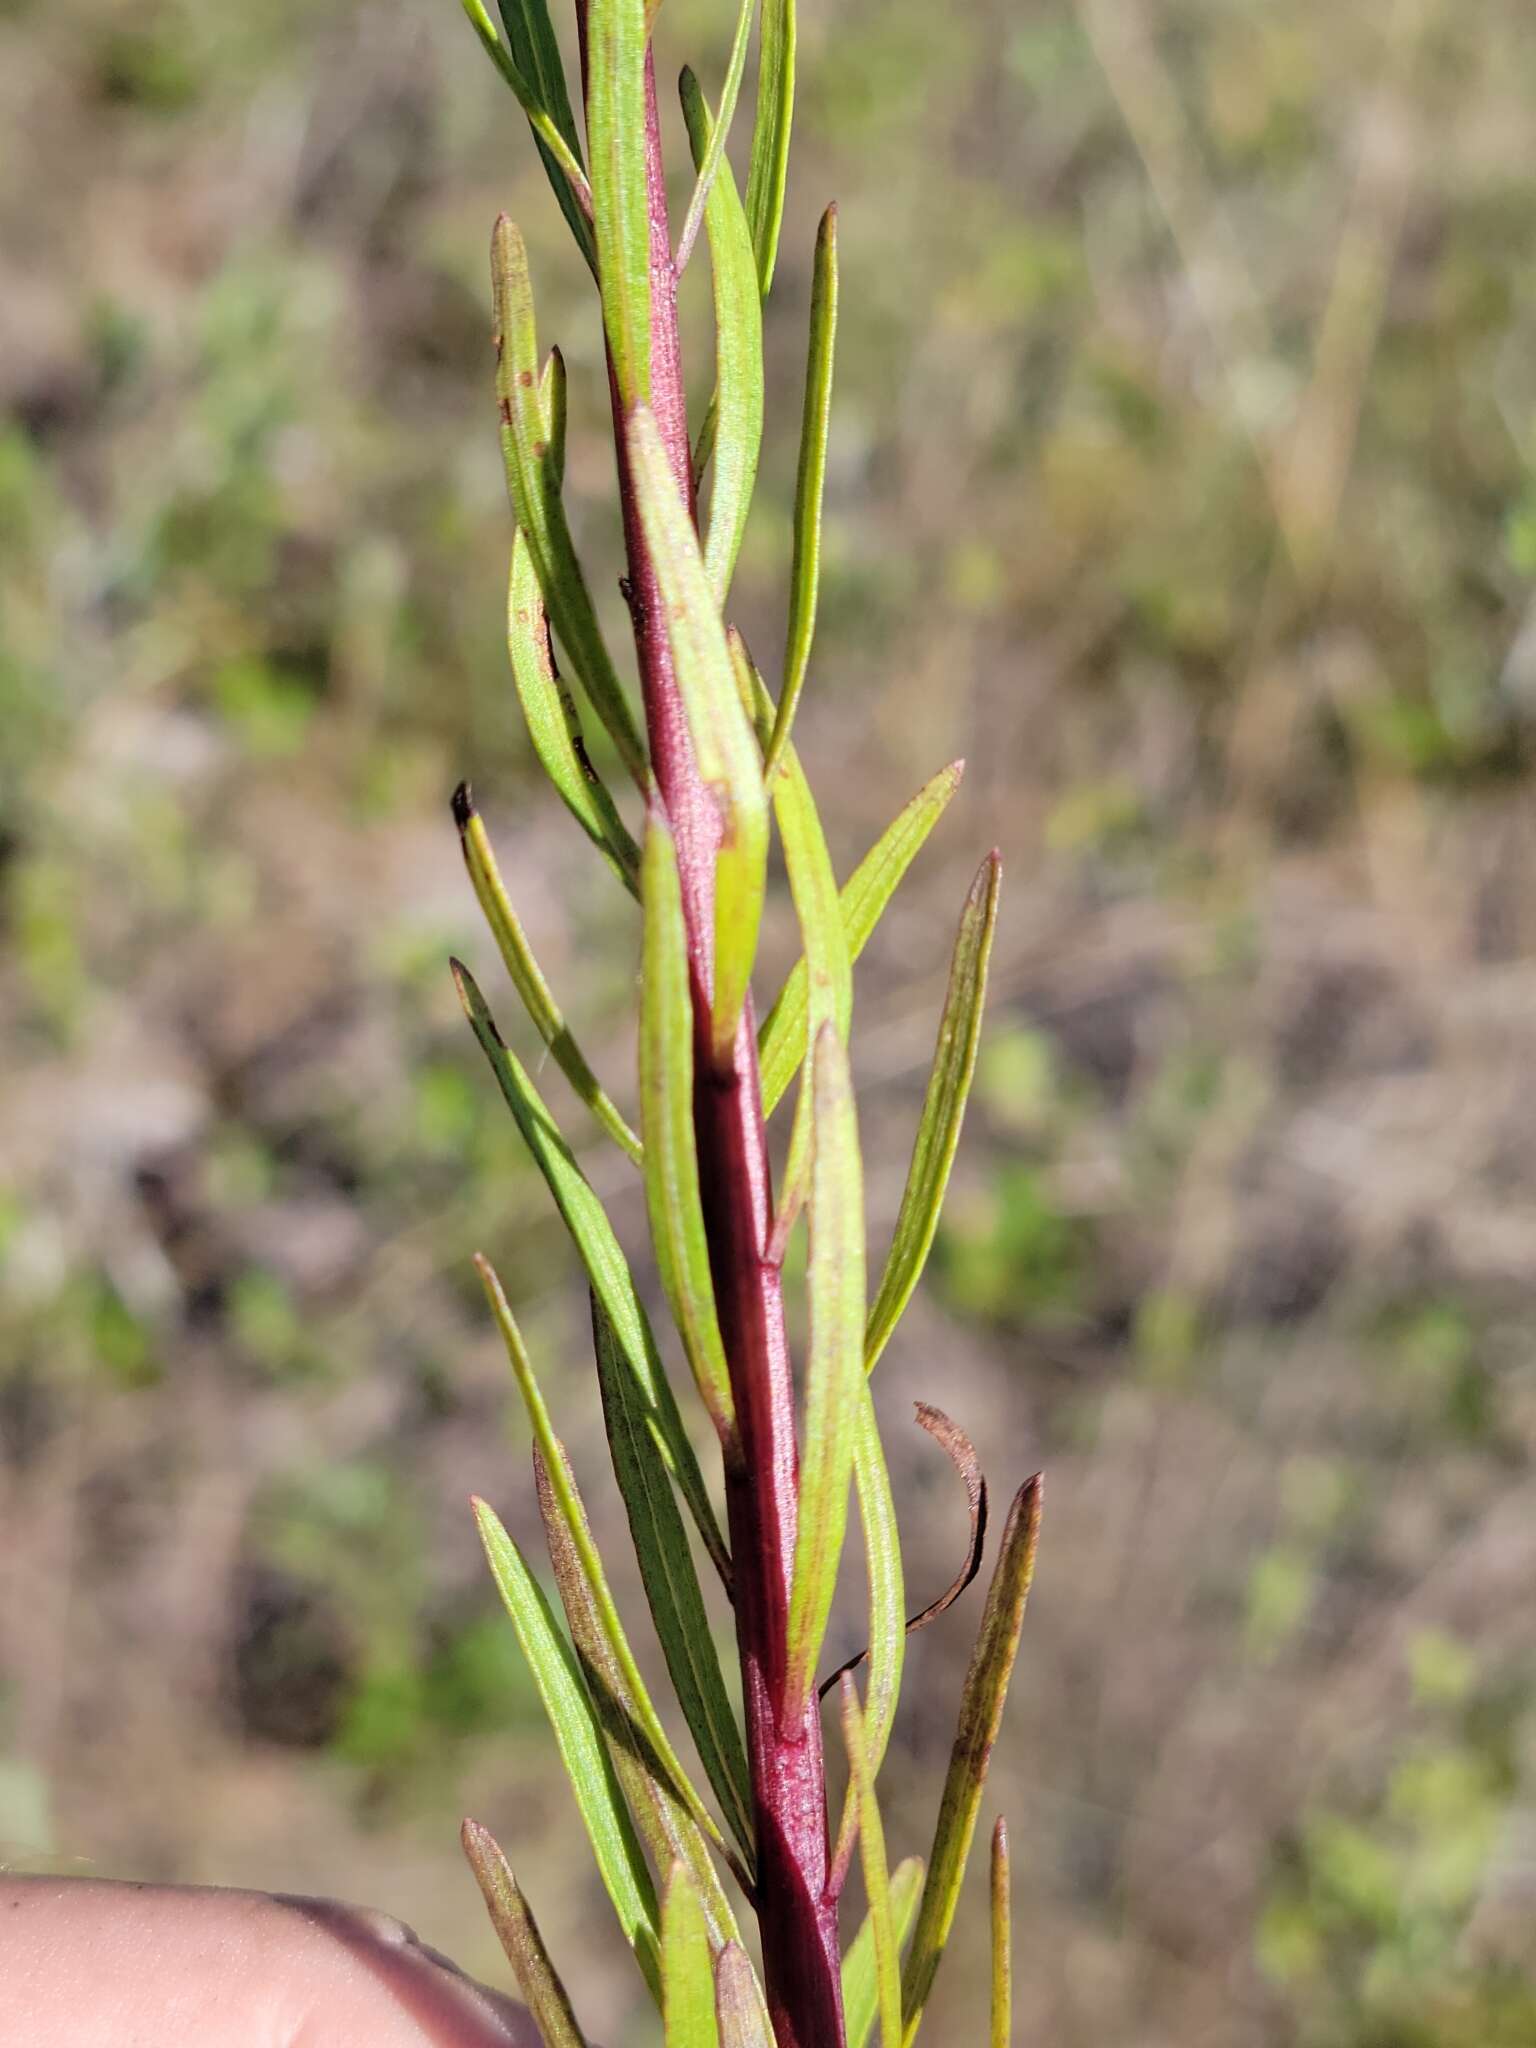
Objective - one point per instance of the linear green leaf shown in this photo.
(671, 1583)
(739, 2003)
(668, 1814)
(517, 955)
(887, 1603)
(529, 451)
(737, 404)
(710, 155)
(604, 1815)
(938, 1130)
(877, 1883)
(621, 222)
(834, 1368)
(554, 725)
(981, 1713)
(810, 485)
(537, 1980)
(596, 1629)
(687, 1967)
(606, 1266)
(770, 134)
(782, 1040)
(535, 51)
(860, 1991)
(818, 908)
(666, 1114)
(561, 157)
(723, 739)
(1002, 1938)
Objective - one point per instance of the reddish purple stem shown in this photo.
(797, 1912)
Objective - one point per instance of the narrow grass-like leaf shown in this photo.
(666, 1115)
(549, 709)
(1002, 1938)
(782, 1039)
(533, 484)
(620, 1859)
(536, 53)
(671, 1583)
(810, 485)
(723, 739)
(818, 908)
(938, 1131)
(554, 724)
(736, 409)
(562, 159)
(887, 1607)
(877, 1883)
(667, 1812)
(606, 1266)
(860, 1990)
(537, 1980)
(739, 2004)
(770, 134)
(596, 1629)
(981, 1713)
(687, 1967)
(709, 158)
(517, 956)
(621, 222)
(834, 1369)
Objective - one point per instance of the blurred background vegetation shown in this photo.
(1184, 480)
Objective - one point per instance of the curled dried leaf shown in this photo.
(962, 1453)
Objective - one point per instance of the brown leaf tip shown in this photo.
(463, 806)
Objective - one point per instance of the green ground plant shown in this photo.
(712, 759)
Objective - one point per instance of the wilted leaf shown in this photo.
(782, 1040)
(981, 1713)
(938, 1130)
(620, 1859)
(962, 1453)
(537, 1980)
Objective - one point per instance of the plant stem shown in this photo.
(797, 1913)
